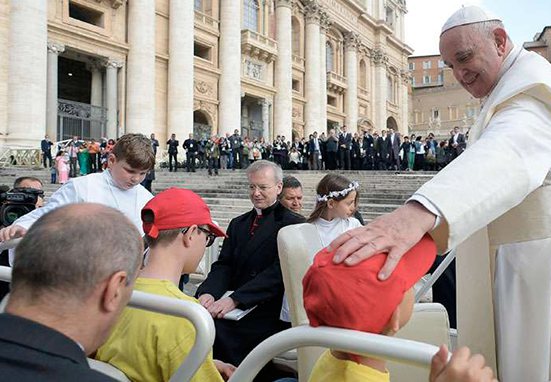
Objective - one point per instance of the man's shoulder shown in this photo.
(288, 217)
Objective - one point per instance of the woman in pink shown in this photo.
(61, 164)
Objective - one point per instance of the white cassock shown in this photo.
(495, 201)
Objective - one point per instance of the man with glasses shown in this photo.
(148, 346)
(249, 267)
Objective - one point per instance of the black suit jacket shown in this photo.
(249, 265)
(33, 352)
(173, 146)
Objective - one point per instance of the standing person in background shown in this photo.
(173, 144)
(345, 146)
(154, 143)
(93, 151)
(46, 148)
(368, 146)
(332, 148)
(212, 151)
(236, 143)
(191, 147)
(457, 142)
(393, 147)
(62, 166)
(404, 148)
(84, 159)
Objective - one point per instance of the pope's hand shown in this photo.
(394, 233)
(206, 300)
(463, 367)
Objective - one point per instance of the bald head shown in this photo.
(70, 250)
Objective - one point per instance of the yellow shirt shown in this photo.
(331, 369)
(148, 346)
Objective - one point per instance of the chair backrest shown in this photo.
(297, 245)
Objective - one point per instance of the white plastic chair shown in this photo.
(297, 246)
(195, 313)
(373, 345)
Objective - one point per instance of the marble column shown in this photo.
(140, 88)
(283, 76)
(96, 91)
(404, 104)
(111, 74)
(266, 121)
(4, 52)
(27, 72)
(180, 69)
(54, 50)
(351, 43)
(312, 120)
(379, 59)
(230, 67)
(324, 26)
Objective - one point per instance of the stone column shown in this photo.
(27, 72)
(404, 104)
(52, 82)
(140, 88)
(324, 26)
(351, 43)
(312, 120)
(283, 76)
(4, 52)
(112, 68)
(266, 121)
(379, 59)
(230, 67)
(180, 69)
(96, 92)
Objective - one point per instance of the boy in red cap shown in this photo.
(149, 346)
(346, 297)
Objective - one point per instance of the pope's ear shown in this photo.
(500, 40)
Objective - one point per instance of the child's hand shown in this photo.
(462, 367)
(225, 369)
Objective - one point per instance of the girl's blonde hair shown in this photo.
(328, 184)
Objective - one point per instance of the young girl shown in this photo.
(61, 162)
(337, 200)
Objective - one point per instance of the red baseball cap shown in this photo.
(352, 297)
(177, 208)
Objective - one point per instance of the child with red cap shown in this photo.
(348, 297)
(149, 346)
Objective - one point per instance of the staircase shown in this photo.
(227, 194)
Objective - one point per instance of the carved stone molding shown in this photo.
(406, 76)
(111, 63)
(284, 3)
(352, 41)
(313, 11)
(297, 112)
(325, 21)
(254, 70)
(379, 57)
(204, 88)
(204, 106)
(54, 47)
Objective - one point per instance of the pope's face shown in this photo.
(474, 56)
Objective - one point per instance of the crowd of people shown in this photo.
(338, 149)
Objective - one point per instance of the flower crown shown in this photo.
(334, 194)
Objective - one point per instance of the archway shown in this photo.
(202, 127)
(391, 124)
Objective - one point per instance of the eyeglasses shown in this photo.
(210, 236)
(261, 188)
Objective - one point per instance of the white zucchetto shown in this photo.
(467, 15)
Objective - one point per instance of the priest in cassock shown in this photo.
(493, 203)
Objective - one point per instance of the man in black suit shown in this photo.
(393, 147)
(173, 152)
(64, 301)
(45, 146)
(368, 146)
(345, 146)
(249, 266)
(457, 143)
(191, 146)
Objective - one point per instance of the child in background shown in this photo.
(62, 166)
(347, 297)
(337, 200)
(53, 175)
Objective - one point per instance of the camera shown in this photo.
(17, 202)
